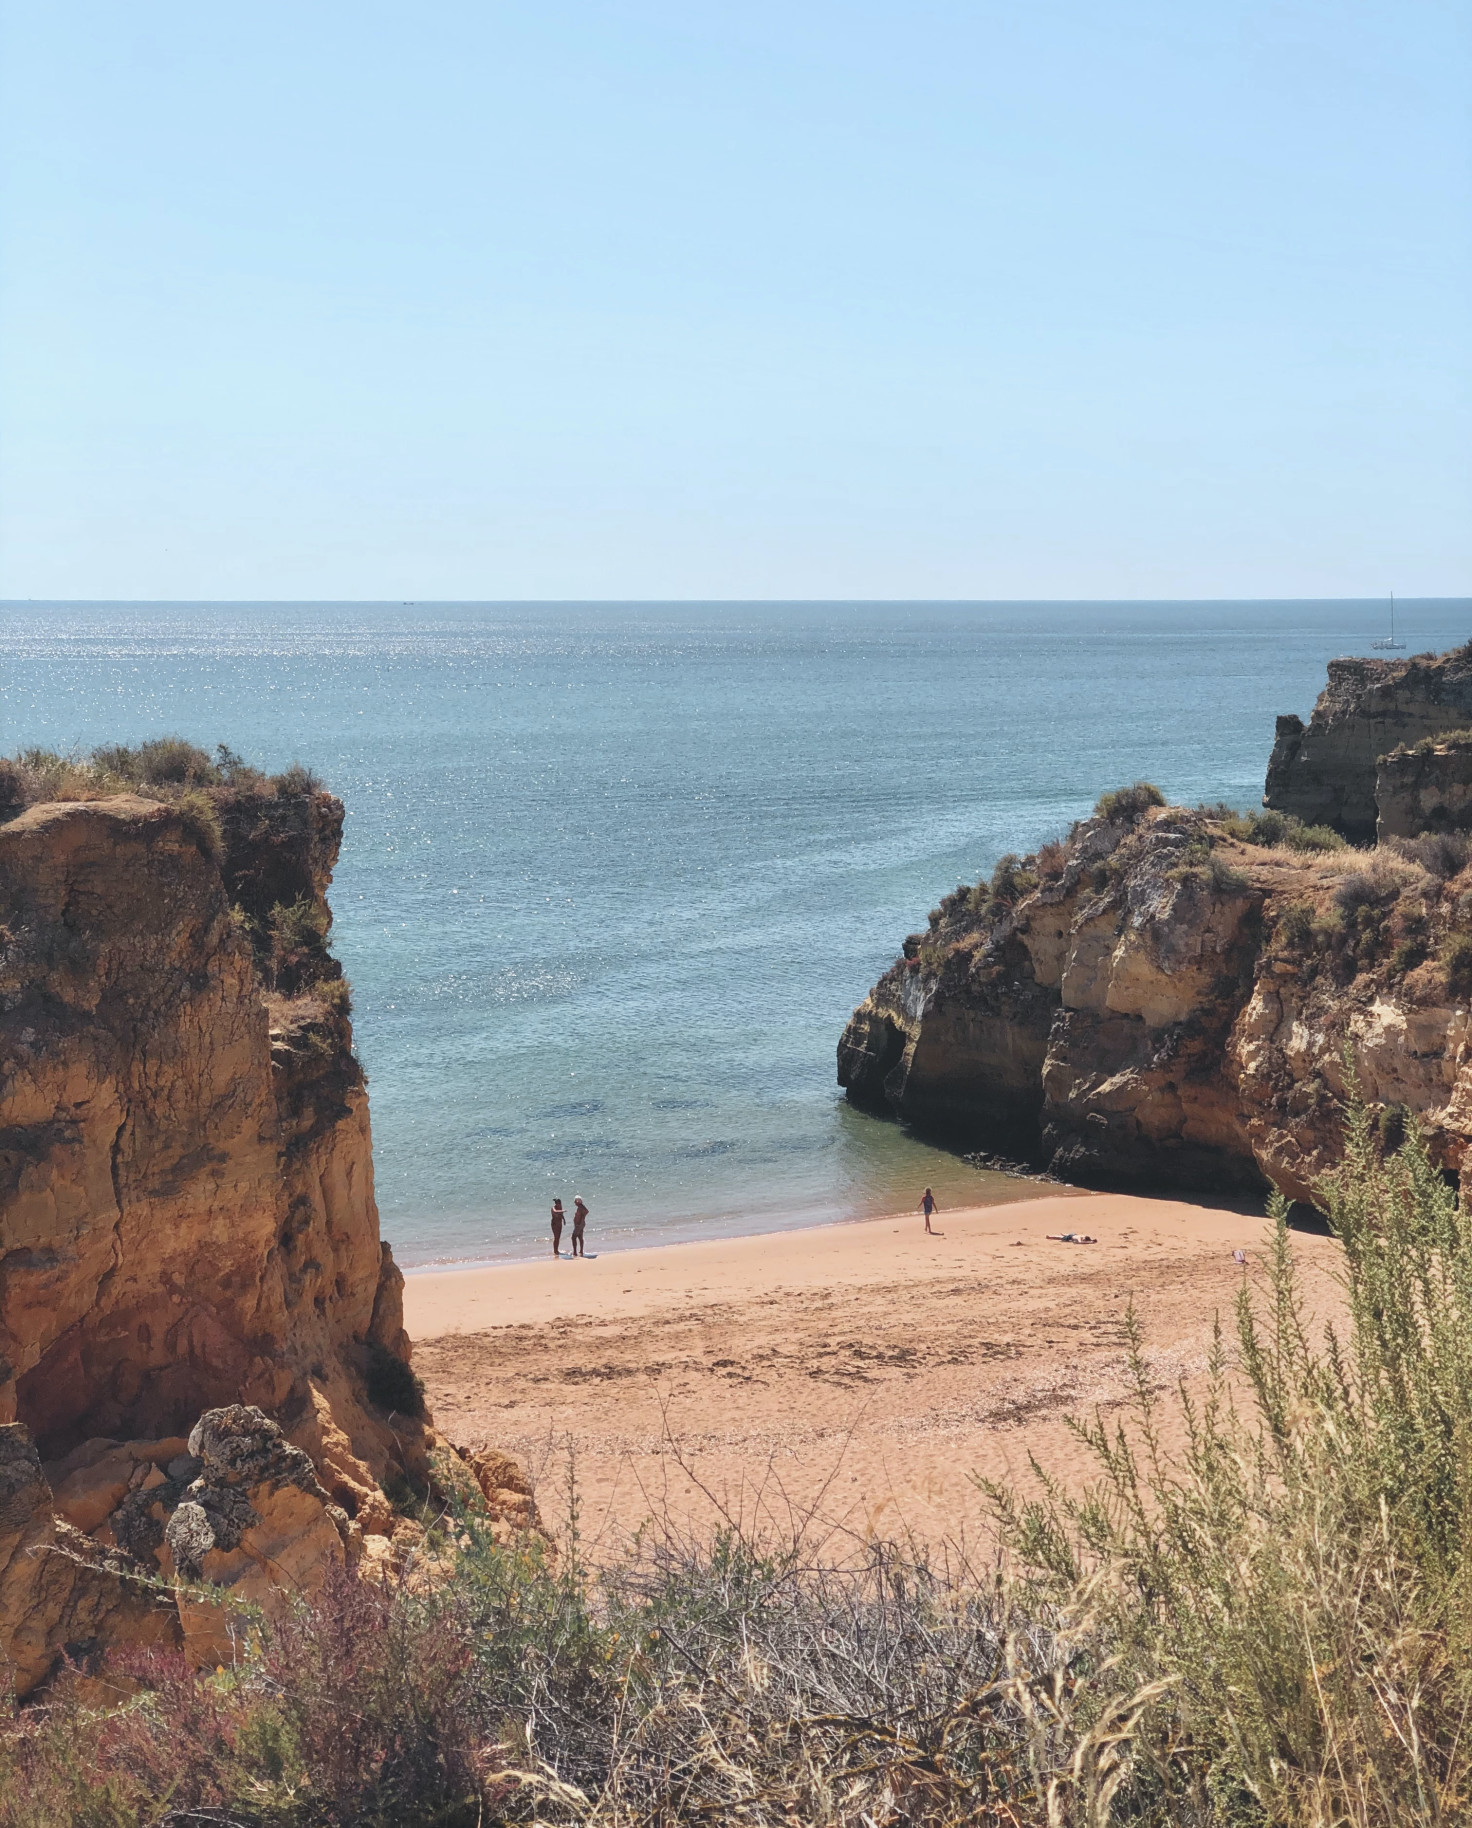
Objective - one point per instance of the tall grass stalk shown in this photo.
(1297, 1571)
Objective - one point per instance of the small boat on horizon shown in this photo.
(1389, 643)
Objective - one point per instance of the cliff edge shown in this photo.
(198, 1319)
(1165, 998)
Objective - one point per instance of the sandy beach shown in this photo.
(860, 1374)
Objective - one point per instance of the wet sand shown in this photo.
(856, 1374)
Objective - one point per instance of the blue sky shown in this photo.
(657, 298)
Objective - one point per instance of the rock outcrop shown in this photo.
(63, 1595)
(1168, 996)
(1426, 788)
(1323, 772)
(187, 1222)
(1157, 1001)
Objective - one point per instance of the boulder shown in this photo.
(64, 1598)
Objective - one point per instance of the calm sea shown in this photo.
(615, 874)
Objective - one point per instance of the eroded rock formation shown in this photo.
(187, 1222)
(1425, 788)
(1156, 1001)
(1323, 772)
(1167, 996)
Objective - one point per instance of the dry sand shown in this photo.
(859, 1372)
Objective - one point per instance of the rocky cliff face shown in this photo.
(1158, 1001)
(187, 1220)
(1427, 788)
(1323, 772)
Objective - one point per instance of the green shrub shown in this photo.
(1223, 877)
(1407, 955)
(1128, 803)
(302, 924)
(1296, 924)
(1456, 957)
(336, 993)
(12, 786)
(1295, 1577)
(1368, 888)
(163, 761)
(1274, 828)
(1010, 882)
(1199, 863)
(392, 1385)
(201, 819)
(1330, 929)
(296, 782)
(1442, 854)
(1313, 838)
(1446, 739)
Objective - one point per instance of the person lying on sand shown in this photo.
(927, 1206)
(1071, 1237)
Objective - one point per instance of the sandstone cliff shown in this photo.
(187, 1223)
(1323, 772)
(1161, 1000)
(1425, 788)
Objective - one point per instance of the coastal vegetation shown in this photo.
(1161, 996)
(256, 826)
(162, 768)
(1265, 1626)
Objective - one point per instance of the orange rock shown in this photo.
(255, 1523)
(62, 1597)
(187, 1216)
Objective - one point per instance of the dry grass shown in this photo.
(1265, 1629)
(1298, 1575)
(168, 769)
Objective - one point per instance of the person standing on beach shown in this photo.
(928, 1206)
(579, 1220)
(557, 1217)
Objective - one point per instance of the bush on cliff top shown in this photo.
(163, 761)
(1273, 828)
(164, 768)
(1447, 739)
(1011, 880)
(1130, 803)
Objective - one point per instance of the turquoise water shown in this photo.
(614, 875)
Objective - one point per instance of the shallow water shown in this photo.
(614, 875)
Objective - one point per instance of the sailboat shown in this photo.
(1389, 644)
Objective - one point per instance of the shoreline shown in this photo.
(743, 1225)
(435, 1286)
(858, 1374)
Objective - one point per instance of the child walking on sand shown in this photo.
(928, 1206)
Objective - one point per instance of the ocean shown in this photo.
(614, 874)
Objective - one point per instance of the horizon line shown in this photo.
(696, 601)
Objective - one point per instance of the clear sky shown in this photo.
(665, 298)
